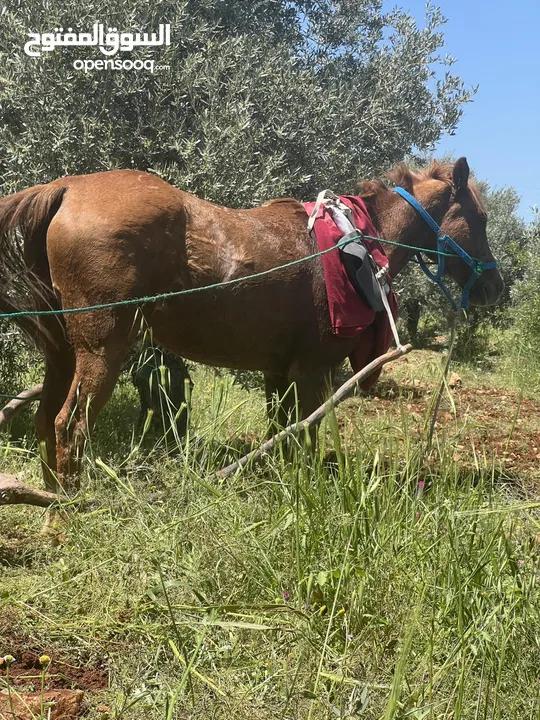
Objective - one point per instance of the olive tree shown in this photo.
(261, 99)
(525, 300)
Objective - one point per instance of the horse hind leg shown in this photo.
(59, 369)
(96, 372)
(164, 386)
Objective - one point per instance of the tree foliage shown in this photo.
(262, 98)
(525, 296)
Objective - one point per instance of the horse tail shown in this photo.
(25, 281)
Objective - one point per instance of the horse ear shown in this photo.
(401, 176)
(460, 174)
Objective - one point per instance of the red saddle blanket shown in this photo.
(349, 316)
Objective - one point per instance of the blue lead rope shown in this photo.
(445, 243)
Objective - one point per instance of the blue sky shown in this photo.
(497, 46)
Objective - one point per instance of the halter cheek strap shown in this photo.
(444, 244)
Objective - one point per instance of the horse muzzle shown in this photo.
(487, 289)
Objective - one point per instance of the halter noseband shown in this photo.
(445, 243)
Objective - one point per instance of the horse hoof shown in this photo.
(55, 526)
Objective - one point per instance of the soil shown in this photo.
(496, 426)
(54, 704)
(63, 672)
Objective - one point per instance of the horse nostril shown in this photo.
(499, 287)
(487, 289)
(496, 290)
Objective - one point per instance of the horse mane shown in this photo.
(402, 175)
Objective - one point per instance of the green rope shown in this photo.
(410, 247)
(215, 286)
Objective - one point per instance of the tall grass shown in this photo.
(371, 582)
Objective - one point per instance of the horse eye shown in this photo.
(483, 220)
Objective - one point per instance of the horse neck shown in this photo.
(415, 234)
(400, 223)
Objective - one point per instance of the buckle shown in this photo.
(478, 268)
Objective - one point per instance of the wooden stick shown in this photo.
(341, 394)
(15, 406)
(14, 492)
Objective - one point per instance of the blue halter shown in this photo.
(445, 243)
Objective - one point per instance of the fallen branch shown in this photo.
(14, 492)
(341, 394)
(15, 406)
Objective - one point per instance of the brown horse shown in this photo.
(110, 236)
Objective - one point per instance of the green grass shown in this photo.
(378, 584)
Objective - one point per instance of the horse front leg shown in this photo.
(280, 401)
(313, 387)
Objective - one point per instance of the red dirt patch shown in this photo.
(25, 673)
(494, 424)
(56, 704)
(62, 673)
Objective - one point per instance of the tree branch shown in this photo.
(15, 406)
(14, 492)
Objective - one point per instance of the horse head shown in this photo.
(454, 203)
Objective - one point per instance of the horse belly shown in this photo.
(261, 329)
